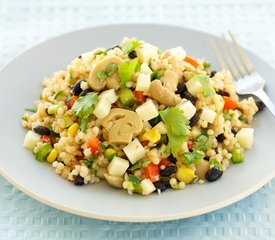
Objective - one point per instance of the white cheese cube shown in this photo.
(102, 108)
(146, 52)
(179, 52)
(147, 186)
(144, 68)
(143, 82)
(160, 127)
(245, 137)
(118, 166)
(134, 151)
(194, 86)
(110, 95)
(31, 139)
(208, 115)
(188, 108)
(147, 110)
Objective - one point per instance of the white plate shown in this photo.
(21, 85)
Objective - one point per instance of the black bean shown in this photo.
(78, 180)
(160, 186)
(76, 88)
(84, 92)
(42, 130)
(80, 57)
(116, 46)
(153, 122)
(172, 158)
(132, 54)
(188, 96)
(194, 120)
(181, 88)
(220, 138)
(234, 131)
(168, 171)
(213, 174)
(223, 93)
(260, 105)
(212, 74)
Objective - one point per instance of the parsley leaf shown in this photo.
(84, 107)
(192, 157)
(203, 142)
(204, 80)
(130, 45)
(126, 70)
(177, 128)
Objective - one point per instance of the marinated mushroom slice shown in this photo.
(170, 80)
(114, 180)
(162, 94)
(121, 126)
(113, 82)
(98, 76)
(202, 168)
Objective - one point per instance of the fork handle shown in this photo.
(266, 100)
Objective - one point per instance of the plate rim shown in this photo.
(104, 216)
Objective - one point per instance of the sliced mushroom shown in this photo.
(113, 82)
(202, 168)
(114, 180)
(121, 126)
(96, 83)
(170, 80)
(162, 94)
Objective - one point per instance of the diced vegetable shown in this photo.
(94, 145)
(31, 139)
(118, 166)
(73, 129)
(188, 108)
(192, 61)
(71, 101)
(229, 103)
(126, 97)
(109, 153)
(203, 142)
(147, 110)
(130, 45)
(160, 127)
(237, 155)
(146, 52)
(165, 162)
(201, 169)
(102, 108)
(152, 135)
(200, 84)
(45, 139)
(51, 110)
(147, 186)
(194, 86)
(110, 95)
(43, 152)
(134, 151)
(179, 52)
(185, 174)
(114, 181)
(152, 172)
(135, 184)
(192, 157)
(143, 82)
(52, 156)
(145, 69)
(139, 96)
(245, 137)
(208, 115)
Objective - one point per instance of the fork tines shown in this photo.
(236, 59)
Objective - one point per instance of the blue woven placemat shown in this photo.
(24, 23)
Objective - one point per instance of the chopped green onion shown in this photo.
(101, 75)
(31, 110)
(111, 69)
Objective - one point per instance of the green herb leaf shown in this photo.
(126, 70)
(84, 107)
(111, 69)
(203, 142)
(177, 128)
(31, 110)
(130, 45)
(101, 75)
(192, 157)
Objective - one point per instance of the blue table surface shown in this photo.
(25, 23)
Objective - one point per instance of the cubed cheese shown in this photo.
(143, 82)
(134, 151)
(102, 108)
(144, 68)
(31, 140)
(188, 108)
(208, 115)
(146, 52)
(161, 128)
(118, 166)
(245, 137)
(194, 86)
(110, 95)
(147, 110)
(147, 186)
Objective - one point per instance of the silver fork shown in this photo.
(248, 81)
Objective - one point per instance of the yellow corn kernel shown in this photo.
(151, 135)
(73, 129)
(52, 156)
(110, 151)
(185, 174)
